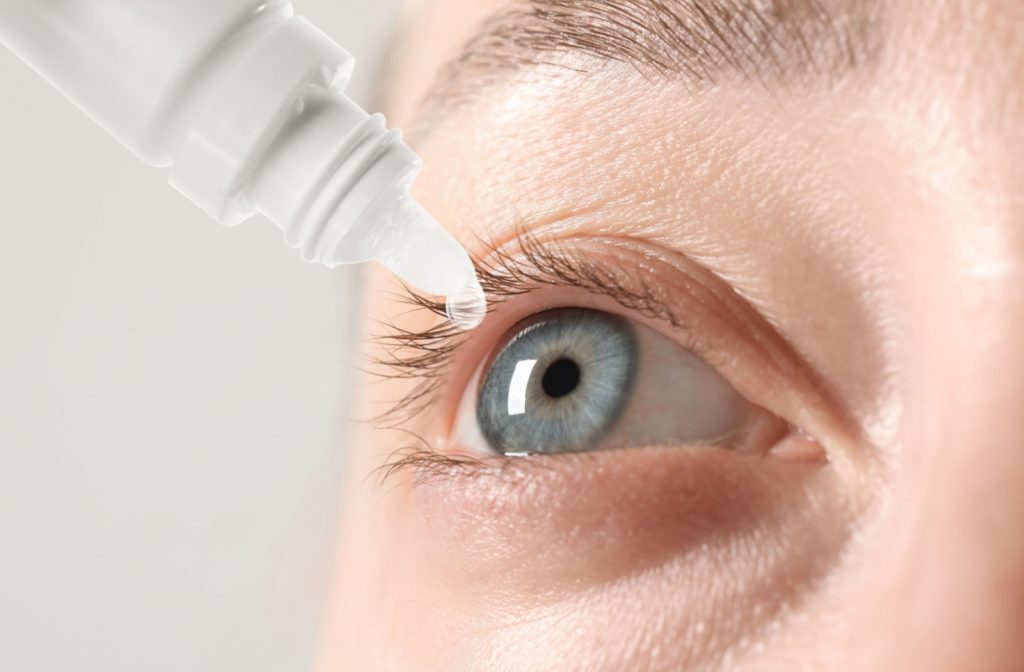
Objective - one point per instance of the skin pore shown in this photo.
(836, 229)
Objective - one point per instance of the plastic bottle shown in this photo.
(245, 103)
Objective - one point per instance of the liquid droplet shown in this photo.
(468, 309)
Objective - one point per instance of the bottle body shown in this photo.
(141, 70)
(245, 103)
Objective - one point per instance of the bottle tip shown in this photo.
(466, 310)
(410, 242)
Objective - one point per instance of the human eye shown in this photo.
(572, 380)
(593, 346)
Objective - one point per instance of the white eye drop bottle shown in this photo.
(245, 103)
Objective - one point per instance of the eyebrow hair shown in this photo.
(700, 42)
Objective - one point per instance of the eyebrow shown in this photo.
(699, 42)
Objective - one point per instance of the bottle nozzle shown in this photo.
(410, 242)
(467, 310)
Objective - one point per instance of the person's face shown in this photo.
(778, 423)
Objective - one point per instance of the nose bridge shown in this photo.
(952, 596)
(961, 602)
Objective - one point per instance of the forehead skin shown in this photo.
(878, 224)
(432, 34)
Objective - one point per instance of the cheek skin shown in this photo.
(577, 521)
(596, 543)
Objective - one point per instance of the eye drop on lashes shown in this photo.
(245, 103)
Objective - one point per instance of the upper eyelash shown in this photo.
(504, 272)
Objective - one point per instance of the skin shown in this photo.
(873, 234)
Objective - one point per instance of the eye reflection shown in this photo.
(574, 380)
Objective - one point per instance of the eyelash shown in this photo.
(426, 355)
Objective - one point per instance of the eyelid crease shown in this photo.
(504, 271)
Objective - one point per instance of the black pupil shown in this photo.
(561, 378)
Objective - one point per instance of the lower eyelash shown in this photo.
(425, 463)
(428, 466)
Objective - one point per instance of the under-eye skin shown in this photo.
(574, 380)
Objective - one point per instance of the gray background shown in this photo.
(172, 399)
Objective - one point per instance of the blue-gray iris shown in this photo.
(559, 384)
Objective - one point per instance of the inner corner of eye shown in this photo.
(573, 380)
